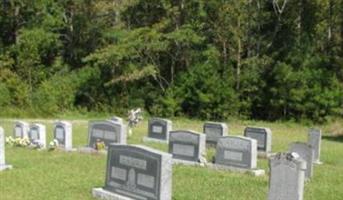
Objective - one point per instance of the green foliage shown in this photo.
(200, 58)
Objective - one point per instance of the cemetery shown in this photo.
(302, 160)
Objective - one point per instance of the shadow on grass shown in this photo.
(335, 138)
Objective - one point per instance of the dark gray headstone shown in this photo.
(214, 131)
(138, 172)
(159, 128)
(315, 140)
(21, 129)
(287, 176)
(63, 134)
(237, 151)
(187, 145)
(3, 165)
(305, 151)
(37, 134)
(263, 137)
(106, 131)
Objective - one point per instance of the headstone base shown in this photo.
(100, 193)
(148, 139)
(89, 150)
(186, 162)
(254, 172)
(5, 167)
(264, 154)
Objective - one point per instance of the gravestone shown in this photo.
(37, 134)
(136, 172)
(63, 133)
(187, 147)
(287, 176)
(21, 129)
(305, 151)
(236, 153)
(3, 165)
(315, 140)
(214, 131)
(158, 130)
(106, 131)
(117, 119)
(263, 137)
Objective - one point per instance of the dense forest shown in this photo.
(209, 59)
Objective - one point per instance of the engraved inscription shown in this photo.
(231, 155)
(119, 173)
(132, 162)
(146, 180)
(109, 135)
(59, 133)
(18, 131)
(157, 129)
(184, 150)
(34, 134)
(97, 133)
(260, 137)
(235, 144)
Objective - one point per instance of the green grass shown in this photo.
(60, 175)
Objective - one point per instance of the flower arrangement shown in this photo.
(99, 145)
(134, 117)
(53, 144)
(19, 142)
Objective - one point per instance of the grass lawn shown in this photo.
(59, 175)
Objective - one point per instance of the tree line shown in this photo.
(209, 59)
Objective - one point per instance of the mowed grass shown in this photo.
(60, 175)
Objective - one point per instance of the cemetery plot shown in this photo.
(136, 172)
(214, 131)
(287, 175)
(263, 137)
(187, 146)
(158, 130)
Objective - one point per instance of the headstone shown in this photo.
(37, 134)
(136, 172)
(214, 131)
(106, 131)
(237, 151)
(63, 134)
(21, 129)
(3, 165)
(287, 176)
(187, 146)
(117, 119)
(315, 140)
(305, 151)
(158, 130)
(263, 137)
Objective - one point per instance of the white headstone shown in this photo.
(21, 129)
(3, 165)
(63, 132)
(315, 140)
(37, 133)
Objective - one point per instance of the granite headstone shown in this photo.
(305, 151)
(159, 129)
(214, 131)
(3, 165)
(37, 134)
(63, 134)
(263, 137)
(315, 140)
(21, 129)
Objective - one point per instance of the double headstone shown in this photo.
(263, 137)
(3, 165)
(21, 129)
(63, 134)
(315, 140)
(107, 132)
(158, 130)
(37, 135)
(187, 147)
(136, 172)
(214, 131)
(287, 176)
(305, 151)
